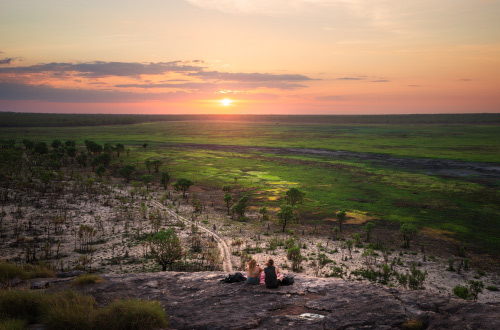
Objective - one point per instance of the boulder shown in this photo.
(201, 301)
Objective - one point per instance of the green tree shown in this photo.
(293, 253)
(56, 144)
(28, 144)
(71, 151)
(41, 148)
(100, 170)
(340, 217)
(156, 164)
(227, 199)
(183, 185)
(82, 159)
(145, 145)
(104, 159)
(368, 228)
(408, 232)
(226, 189)
(126, 172)
(119, 148)
(286, 215)
(240, 207)
(147, 179)
(148, 164)
(165, 179)
(294, 196)
(70, 143)
(166, 248)
(264, 213)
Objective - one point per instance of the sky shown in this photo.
(250, 56)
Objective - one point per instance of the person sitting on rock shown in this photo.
(253, 272)
(271, 272)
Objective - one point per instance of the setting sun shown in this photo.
(226, 102)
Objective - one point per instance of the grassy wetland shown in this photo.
(441, 176)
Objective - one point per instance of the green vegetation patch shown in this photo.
(73, 310)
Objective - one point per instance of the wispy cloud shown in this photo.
(6, 61)
(102, 82)
(219, 85)
(332, 98)
(364, 78)
(249, 77)
(12, 91)
(106, 69)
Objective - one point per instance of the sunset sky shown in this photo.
(250, 56)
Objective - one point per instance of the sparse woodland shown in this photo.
(86, 207)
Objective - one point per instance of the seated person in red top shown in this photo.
(253, 272)
(271, 273)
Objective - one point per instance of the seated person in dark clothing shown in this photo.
(271, 273)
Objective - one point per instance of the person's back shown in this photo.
(271, 277)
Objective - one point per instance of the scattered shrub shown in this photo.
(9, 271)
(414, 324)
(68, 310)
(72, 310)
(21, 304)
(13, 324)
(86, 279)
(469, 293)
(492, 288)
(416, 278)
(461, 292)
(131, 314)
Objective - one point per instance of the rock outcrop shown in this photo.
(200, 301)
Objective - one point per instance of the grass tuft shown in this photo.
(132, 314)
(9, 271)
(21, 304)
(414, 324)
(86, 279)
(68, 310)
(13, 324)
(74, 310)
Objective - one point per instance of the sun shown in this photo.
(226, 102)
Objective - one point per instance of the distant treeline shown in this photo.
(16, 119)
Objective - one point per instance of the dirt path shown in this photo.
(227, 266)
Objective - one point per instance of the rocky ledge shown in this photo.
(200, 301)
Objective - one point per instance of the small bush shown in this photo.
(86, 279)
(21, 304)
(9, 271)
(416, 279)
(72, 310)
(471, 292)
(461, 292)
(13, 324)
(414, 324)
(131, 314)
(492, 288)
(68, 310)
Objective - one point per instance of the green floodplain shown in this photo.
(440, 172)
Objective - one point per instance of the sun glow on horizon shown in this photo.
(226, 102)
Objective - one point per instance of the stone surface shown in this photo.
(200, 301)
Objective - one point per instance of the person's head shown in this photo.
(270, 262)
(252, 264)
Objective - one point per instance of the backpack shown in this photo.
(287, 280)
(232, 278)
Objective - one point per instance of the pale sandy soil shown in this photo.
(118, 222)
